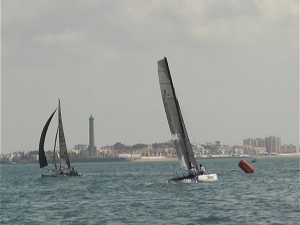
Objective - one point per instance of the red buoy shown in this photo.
(246, 167)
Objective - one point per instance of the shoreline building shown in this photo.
(273, 144)
(92, 150)
(270, 145)
(254, 146)
(255, 142)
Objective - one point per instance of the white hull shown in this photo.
(201, 178)
(61, 175)
(208, 177)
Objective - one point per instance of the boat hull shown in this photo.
(200, 178)
(208, 177)
(61, 175)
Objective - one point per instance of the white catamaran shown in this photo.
(179, 134)
(65, 166)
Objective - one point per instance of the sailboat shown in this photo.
(65, 166)
(184, 151)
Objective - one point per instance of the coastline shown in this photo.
(154, 158)
(170, 159)
(288, 155)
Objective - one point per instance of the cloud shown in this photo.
(276, 12)
(237, 21)
(19, 11)
(66, 37)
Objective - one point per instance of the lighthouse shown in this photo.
(92, 148)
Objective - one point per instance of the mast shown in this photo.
(42, 157)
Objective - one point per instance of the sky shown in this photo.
(234, 64)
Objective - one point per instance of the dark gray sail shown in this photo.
(64, 159)
(178, 131)
(42, 157)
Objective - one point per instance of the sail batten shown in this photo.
(179, 134)
(42, 156)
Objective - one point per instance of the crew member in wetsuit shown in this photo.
(60, 171)
(202, 169)
(192, 173)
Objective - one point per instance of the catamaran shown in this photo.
(184, 151)
(65, 166)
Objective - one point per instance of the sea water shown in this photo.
(138, 193)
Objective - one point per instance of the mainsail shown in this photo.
(64, 159)
(42, 157)
(178, 131)
(54, 154)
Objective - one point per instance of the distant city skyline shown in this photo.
(234, 64)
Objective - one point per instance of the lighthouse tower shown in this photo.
(92, 152)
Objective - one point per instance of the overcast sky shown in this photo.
(234, 63)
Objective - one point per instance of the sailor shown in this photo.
(202, 169)
(73, 172)
(60, 171)
(192, 171)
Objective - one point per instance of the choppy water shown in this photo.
(138, 193)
